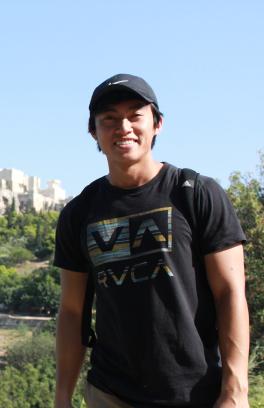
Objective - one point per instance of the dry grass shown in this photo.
(9, 336)
(27, 267)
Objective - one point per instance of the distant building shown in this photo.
(25, 192)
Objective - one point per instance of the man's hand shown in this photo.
(63, 405)
(62, 401)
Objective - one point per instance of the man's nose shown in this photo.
(124, 126)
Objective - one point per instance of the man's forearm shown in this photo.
(233, 325)
(69, 356)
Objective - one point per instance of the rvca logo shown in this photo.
(130, 237)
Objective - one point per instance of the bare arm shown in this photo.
(69, 349)
(225, 271)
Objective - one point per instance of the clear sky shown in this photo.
(204, 59)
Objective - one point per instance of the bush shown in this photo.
(30, 387)
(37, 293)
(35, 232)
(256, 393)
(20, 255)
(35, 350)
(12, 254)
(40, 292)
(10, 284)
(28, 380)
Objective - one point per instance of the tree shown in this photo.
(28, 379)
(45, 235)
(12, 390)
(3, 230)
(35, 232)
(34, 350)
(10, 284)
(40, 292)
(246, 194)
(36, 293)
(11, 214)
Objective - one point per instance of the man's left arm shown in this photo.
(225, 271)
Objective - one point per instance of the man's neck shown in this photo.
(134, 175)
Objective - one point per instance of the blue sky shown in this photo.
(204, 59)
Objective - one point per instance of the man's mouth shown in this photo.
(125, 142)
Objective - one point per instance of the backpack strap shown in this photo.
(188, 193)
(88, 334)
(187, 185)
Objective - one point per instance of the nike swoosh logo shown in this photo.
(117, 82)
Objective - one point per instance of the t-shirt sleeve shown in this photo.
(218, 223)
(68, 248)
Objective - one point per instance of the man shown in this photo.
(168, 292)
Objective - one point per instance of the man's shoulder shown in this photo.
(189, 177)
(82, 200)
(209, 185)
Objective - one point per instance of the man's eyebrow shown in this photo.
(108, 109)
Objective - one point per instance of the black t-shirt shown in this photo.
(157, 342)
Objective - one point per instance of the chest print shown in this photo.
(127, 238)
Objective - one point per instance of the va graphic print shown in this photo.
(112, 241)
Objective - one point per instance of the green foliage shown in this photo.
(13, 253)
(246, 194)
(28, 379)
(13, 389)
(40, 292)
(37, 293)
(31, 387)
(48, 326)
(35, 350)
(256, 393)
(255, 295)
(3, 230)
(25, 236)
(10, 283)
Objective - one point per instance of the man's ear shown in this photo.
(93, 135)
(158, 127)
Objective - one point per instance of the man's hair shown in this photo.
(117, 97)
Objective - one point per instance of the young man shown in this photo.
(168, 292)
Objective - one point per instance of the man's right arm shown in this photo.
(69, 349)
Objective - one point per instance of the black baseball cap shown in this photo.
(123, 82)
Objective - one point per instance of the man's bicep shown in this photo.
(73, 289)
(225, 271)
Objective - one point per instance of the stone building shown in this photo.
(25, 192)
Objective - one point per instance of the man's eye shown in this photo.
(136, 115)
(109, 119)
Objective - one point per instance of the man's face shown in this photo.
(124, 131)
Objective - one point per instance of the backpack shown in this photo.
(187, 188)
(187, 185)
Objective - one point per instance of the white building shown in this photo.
(24, 191)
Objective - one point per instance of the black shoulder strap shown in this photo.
(187, 185)
(88, 334)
